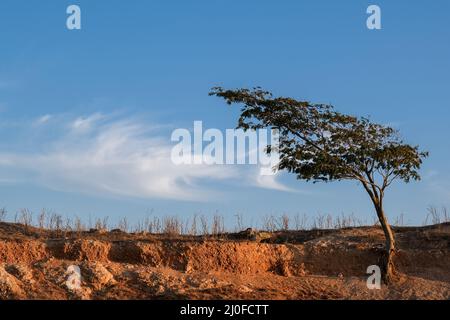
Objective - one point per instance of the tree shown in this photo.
(317, 143)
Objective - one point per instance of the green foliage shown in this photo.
(320, 144)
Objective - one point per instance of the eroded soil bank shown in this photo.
(320, 264)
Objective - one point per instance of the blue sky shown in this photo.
(78, 108)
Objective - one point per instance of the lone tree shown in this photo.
(318, 143)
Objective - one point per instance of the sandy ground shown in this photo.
(318, 264)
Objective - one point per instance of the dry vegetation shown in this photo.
(202, 224)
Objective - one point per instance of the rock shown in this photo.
(254, 235)
(9, 285)
(244, 289)
(97, 275)
(249, 234)
(261, 236)
(21, 272)
(98, 231)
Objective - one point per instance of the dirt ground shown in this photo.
(316, 264)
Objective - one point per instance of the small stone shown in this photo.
(97, 275)
(9, 285)
(21, 272)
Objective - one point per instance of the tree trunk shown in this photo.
(387, 263)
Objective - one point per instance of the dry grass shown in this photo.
(202, 225)
(3, 214)
(123, 224)
(218, 225)
(436, 216)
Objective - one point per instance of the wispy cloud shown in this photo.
(43, 119)
(83, 124)
(124, 157)
(270, 182)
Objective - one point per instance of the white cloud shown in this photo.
(43, 119)
(270, 182)
(83, 124)
(121, 157)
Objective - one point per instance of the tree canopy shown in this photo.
(319, 143)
